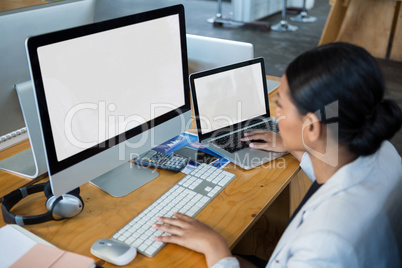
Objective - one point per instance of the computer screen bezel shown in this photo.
(33, 43)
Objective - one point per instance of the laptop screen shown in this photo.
(229, 95)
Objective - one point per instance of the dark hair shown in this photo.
(347, 77)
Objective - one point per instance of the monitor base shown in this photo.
(30, 163)
(22, 164)
(124, 179)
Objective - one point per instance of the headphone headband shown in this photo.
(11, 199)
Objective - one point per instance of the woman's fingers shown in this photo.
(272, 141)
(171, 229)
(193, 234)
(255, 135)
(266, 136)
(180, 219)
(174, 226)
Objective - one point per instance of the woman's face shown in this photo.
(290, 120)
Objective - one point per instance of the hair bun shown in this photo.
(381, 124)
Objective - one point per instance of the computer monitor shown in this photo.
(109, 91)
(15, 27)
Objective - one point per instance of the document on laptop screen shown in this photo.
(230, 97)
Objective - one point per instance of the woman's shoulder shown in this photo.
(363, 218)
(359, 193)
(382, 167)
(388, 156)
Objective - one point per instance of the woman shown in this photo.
(334, 120)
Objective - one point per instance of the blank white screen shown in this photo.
(101, 85)
(230, 97)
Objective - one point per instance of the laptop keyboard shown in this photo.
(232, 143)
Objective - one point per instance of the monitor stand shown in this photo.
(124, 179)
(30, 163)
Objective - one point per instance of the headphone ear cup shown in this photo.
(65, 206)
(50, 202)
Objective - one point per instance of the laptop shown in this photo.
(229, 101)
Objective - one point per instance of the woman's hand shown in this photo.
(195, 235)
(272, 140)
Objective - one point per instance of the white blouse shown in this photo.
(353, 220)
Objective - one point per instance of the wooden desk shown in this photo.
(15, 4)
(232, 213)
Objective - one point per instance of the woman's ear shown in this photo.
(317, 140)
(312, 128)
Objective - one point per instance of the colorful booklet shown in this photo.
(190, 141)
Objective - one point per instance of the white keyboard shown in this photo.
(188, 196)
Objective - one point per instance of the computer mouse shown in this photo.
(113, 251)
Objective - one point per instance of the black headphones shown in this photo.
(59, 207)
